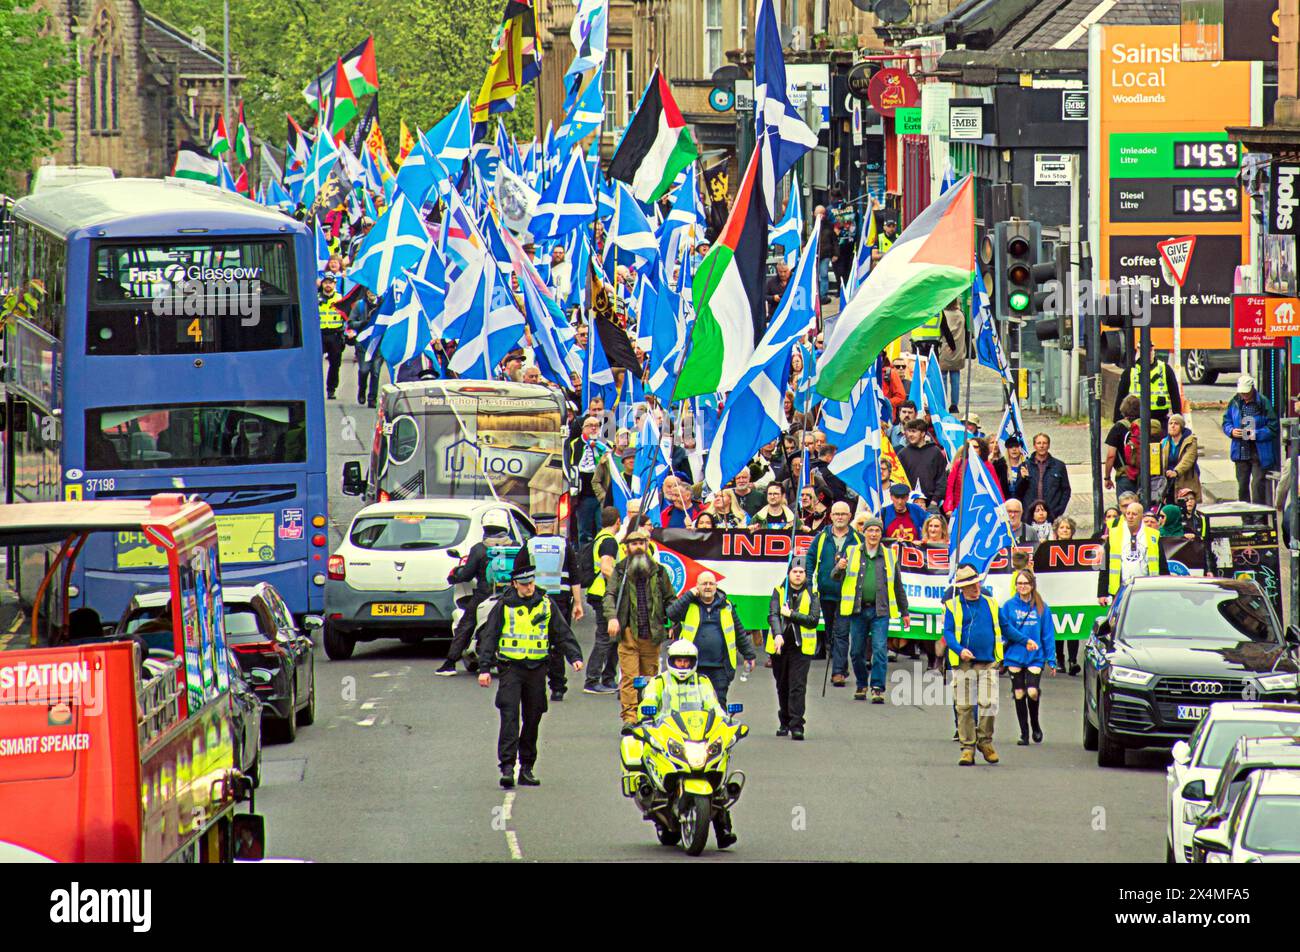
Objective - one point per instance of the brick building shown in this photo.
(146, 86)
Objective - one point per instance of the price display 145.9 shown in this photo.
(1207, 155)
(1212, 200)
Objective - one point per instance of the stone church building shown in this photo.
(146, 86)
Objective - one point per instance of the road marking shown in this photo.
(368, 722)
(368, 706)
(512, 838)
(507, 807)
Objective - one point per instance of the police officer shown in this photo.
(602, 664)
(331, 331)
(792, 619)
(522, 629)
(557, 574)
(1166, 397)
(473, 568)
(925, 339)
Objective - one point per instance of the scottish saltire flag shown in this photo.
(224, 179)
(858, 461)
(988, 346)
(372, 335)
(754, 413)
(948, 430)
(647, 296)
(578, 251)
(371, 177)
(836, 414)
(585, 115)
(916, 393)
(788, 136)
(979, 526)
(916, 495)
(785, 233)
(421, 172)
(949, 178)
(861, 262)
(605, 202)
(493, 326)
(598, 376)
(618, 487)
(324, 156)
(554, 346)
(568, 202)
(322, 250)
(1012, 424)
(685, 213)
(276, 195)
(652, 463)
(368, 206)
(630, 230)
(668, 334)
(407, 334)
(397, 241)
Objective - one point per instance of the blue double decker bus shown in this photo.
(163, 336)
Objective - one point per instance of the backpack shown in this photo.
(587, 564)
(1132, 449)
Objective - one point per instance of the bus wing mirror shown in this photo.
(353, 484)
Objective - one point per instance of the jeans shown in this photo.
(588, 519)
(720, 677)
(953, 379)
(1250, 481)
(602, 663)
(823, 275)
(368, 378)
(878, 625)
(837, 630)
(1124, 485)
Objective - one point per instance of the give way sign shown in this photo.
(1176, 253)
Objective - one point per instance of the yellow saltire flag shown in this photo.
(505, 74)
(405, 143)
(897, 474)
(379, 152)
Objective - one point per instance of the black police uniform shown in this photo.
(522, 684)
(473, 569)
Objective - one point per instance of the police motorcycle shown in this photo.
(675, 764)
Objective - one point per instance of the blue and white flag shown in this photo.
(686, 217)
(618, 487)
(277, 196)
(788, 136)
(916, 392)
(324, 156)
(589, 33)
(785, 233)
(407, 334)
(554, 344)
(598, 376)
(566, 204)
(948, 430)
(858, 461)
(979, 527)
(492, 328)
(585, 116)
(396, 241)
(630, 231)
(421, 172)
(322, 250)
(1012, 424)
(224, 181)
(667, 326)
(755, 413)
(653, 464)
(988, 347)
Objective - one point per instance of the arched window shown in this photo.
(105, 71)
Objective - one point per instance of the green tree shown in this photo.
(37, 70)
(429, 53)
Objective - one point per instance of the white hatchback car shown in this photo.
(1197, 761)
(1264, 825)
(388, 578)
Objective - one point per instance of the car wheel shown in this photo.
(1196, 364)
(1089, 732)
(289, 726)
(338, 647)
(1169, 852)
(255, 772)
(307, 715)
(1109, 753)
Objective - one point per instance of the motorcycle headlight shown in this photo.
(1130, 676)
(1192, 811)
(696, 756)
(676, 750)
(1279, 682)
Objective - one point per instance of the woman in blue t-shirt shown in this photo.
(1027, 632)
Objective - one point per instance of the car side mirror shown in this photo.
(1212, 838)
(1101, 630)
(312, 623)
(649, 710)
(353, 483)
(1181, 753)
(249, 836)
(454, 553)
(1195, 790)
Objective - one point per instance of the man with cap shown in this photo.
(556, 566)
(871, 595)
(709, 621)
(973, 634)
(792, 618)
(331, 331)
(636, 602)
(885, 240)
(902, 519)
(1166, 397)
(473, 568)
(1251, 422)
(828, 553)
(520, 633)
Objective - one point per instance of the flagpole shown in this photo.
(225, 59)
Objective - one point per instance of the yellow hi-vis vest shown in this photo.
(929, 330)
(807, 634)
(954, 605)
(670, 695)
(852, 576)
(1117, 539)
(331, 318)
(884, 242)
(524, 632)
(598, 586)
(691, 628)
(1159, 384)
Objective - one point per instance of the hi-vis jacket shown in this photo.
(972, 625)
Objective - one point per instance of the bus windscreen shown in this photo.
(196, 434)
(192, 298)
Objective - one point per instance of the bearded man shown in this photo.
(636, 601)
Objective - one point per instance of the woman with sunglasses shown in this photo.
(1027, 632)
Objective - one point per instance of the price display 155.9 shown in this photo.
(1207, 200)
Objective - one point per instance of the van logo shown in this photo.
(399, 566)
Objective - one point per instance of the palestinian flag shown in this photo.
(730, 314)
(243, 139)
(358, 66)
(242, 185)
(656, 146)
(928, 265)
(343, 104)
(194, 162)
(220, 143)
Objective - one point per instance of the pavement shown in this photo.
(401, 766)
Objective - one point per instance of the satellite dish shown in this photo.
(892, 11)
(724, 77)
(863, 5)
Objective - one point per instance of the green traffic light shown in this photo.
(1018, 300)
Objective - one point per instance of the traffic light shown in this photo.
(1051, 299)
(1016, 246)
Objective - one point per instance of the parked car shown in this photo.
(1250, 754)
(276, 657)
(1263, 825)
(248, 722)
(388, 578)
(1198, 761)
(1169, 647)
(1204, 366)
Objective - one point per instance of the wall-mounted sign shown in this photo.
(965, 121)
(1284, 199)
(859, 80)
(721, 100)
(907, 120)
(891, 89)
(1074, 105)
(1282, 316)
(1051, 169)
(1248, 328)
